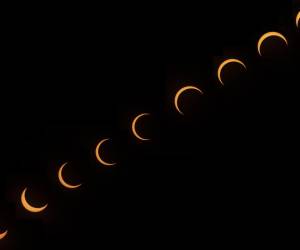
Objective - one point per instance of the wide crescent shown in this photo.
(29, 207)
(179, 92)
(97, 153)
(133, 127)
(62, 181)
(3, 235)
(223, 64)
(268, 35)
(298, 19)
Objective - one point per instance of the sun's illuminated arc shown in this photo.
(97, 153)
(268, 35)
(3, 235)
(226, 62)
(62, 181)
(133, 127)
(29, 207)
(298, 19)
(179, 92)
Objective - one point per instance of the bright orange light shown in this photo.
(28, 207)
(298, 19)
(179, 92)
(133, 127)
(267, 35)
(3, 235)
(62, 181)
(223, 64)
(97, 153)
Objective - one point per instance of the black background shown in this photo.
(223, 173)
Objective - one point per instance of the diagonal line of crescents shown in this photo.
(26, 205)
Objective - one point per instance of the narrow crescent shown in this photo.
(223, 64)
(3, 235)
(98, 155)
(62, 181)
(298, 19)
(28, 207)
(179, 92)
(133, 127)
(267, 35)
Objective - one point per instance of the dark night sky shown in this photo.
(223, 171)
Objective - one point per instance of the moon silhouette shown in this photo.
(268, 35)
(62, 181)
(179, 92)
(3, 235)
(29, 207)
(133, 127)
(226, 62)
(298, 19)
(97, 153)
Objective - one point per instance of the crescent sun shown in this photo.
(227, 61)
(62, 181)
(179, 92)
(298, 19)
(267, 35)
(133, 127)
(29, 207)
(3, 235)
(97, 153)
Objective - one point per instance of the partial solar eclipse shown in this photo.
(62, 181)
(133, 127)
(3, 235)
(226, 62)
(29, 207)
(179, 92)
(267, 35)
(98, 155)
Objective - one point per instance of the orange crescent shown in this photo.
(133, 127)
(98, 154)
(179, 92)
(3, 235)
(267, 35)
(298, 19)
(227, 61)
(29, 207)
(62, 181)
